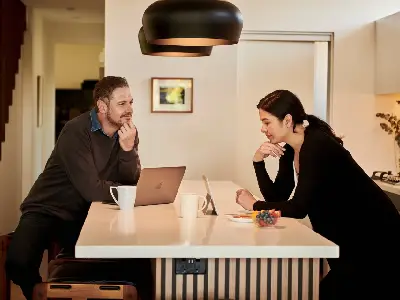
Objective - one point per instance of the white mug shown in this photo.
(190, 205)
(126, 196)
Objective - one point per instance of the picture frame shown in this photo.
(171, 95)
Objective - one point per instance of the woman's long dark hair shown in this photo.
(283, 102)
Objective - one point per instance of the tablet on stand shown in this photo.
(212, 211)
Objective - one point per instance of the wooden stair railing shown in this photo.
(12, 29)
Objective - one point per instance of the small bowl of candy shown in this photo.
(266, 218)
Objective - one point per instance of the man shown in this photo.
(94, 151)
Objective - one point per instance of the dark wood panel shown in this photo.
(2, 71)
(5, 288)
(12, 28)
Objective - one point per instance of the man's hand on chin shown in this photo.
(127, 135)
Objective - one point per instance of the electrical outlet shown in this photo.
(190, 266)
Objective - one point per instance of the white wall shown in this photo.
(76, 33)
(168, 139)
(48, 98)
(387, 48)
(279, 65)
(202, 140)
(75, 63)
(39, 57)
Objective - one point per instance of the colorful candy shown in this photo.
(265, 218)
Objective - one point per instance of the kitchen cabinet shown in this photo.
(393, 191)
(387, 38)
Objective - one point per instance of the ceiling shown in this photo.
(81, 11)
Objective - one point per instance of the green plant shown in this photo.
(391, 126)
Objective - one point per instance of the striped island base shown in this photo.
(270, 279)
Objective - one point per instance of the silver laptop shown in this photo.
(159, 185)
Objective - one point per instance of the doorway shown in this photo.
(267, 62)
(76, 71)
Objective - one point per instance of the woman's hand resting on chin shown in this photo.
(245, 199)
(267, 149)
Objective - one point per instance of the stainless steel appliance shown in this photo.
(386, 176)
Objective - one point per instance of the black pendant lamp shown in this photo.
(172, 51)
(192, 23)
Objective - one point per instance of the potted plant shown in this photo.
(391, 125)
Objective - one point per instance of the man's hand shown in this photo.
(245, 199)
(127, 135)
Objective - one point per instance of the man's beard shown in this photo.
(118, 123)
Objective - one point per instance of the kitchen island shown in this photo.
(392, 190)
(230, 260)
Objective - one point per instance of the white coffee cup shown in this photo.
(126, 196)
(190, 205)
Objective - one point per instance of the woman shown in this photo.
(343, 204)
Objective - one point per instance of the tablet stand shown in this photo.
(212, 211)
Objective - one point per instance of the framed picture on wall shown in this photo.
(171, 95)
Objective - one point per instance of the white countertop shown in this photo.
(158, 232)
(395, 189)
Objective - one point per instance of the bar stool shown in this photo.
(63, 283)
(67, 279)
(83, 291)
